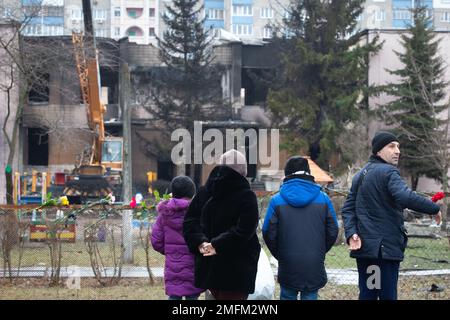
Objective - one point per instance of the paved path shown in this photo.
(127, 272)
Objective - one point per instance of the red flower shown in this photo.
(438, 196)
(133, 203)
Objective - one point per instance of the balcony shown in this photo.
(134, 13)
(134, 32)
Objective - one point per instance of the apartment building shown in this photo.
(42, 17)
(396, 14)
(141, 20)
(245, 18)
(137, 19)
(101, 16)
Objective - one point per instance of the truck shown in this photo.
(98, 170)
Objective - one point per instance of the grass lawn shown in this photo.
(37, 288)
(420, 254)
(76, 254)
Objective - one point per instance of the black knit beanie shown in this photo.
(296, 163)
(182, 187)
(381, 139)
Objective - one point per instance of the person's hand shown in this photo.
(209, 250)
(203, 247)
(354, 242)
(438, 218)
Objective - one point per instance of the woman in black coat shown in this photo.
(220, 229)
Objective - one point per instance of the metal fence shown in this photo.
(77, 253)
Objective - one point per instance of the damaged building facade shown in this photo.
(53, 130)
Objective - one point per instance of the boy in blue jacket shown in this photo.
(300, 227)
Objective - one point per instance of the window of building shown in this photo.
(30, 11)
(242, 10)
(379, 15)
(76, 14)
(151, 32)
(151, 12)
(243, 29)
(215, 14)
(445, 16)
(117, 31)
(134, 12)
(52, 11)
(40, 91)
(267, 13)
(117, 12)
(100, 32)
(402, 15)
(52, 30)
(37, 147)
(134, 32)
(99, 15)
(267, 32)
(7, 13)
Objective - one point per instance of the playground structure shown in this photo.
(33, 189)
(26, 187)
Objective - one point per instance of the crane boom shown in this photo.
(89, 76)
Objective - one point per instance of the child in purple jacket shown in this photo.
(167, 239)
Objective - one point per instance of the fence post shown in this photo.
(127, 215)
(44, 187)
(16, 188)
(33, 180)
(24, 184)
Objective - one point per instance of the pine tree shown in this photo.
(418, 94)
(187, 87)
(323, 75)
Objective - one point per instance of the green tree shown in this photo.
(321, 85)
(419, 94)
(188, 86)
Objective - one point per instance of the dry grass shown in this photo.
(415, 288)
(37, 289)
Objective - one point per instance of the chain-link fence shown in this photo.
(78, 253)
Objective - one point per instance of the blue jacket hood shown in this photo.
(299, 192)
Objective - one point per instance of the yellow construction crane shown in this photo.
(98, 172)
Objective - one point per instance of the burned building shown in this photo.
(54, 125)
(54, 129)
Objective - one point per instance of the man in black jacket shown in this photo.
(373, 219)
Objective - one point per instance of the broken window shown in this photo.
(37, 147)
(40, 91)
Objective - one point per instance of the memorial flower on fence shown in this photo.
(438, 196)
(147, 207)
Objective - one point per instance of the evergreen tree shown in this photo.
(187, 87)
(322, 80)
(418, 94)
